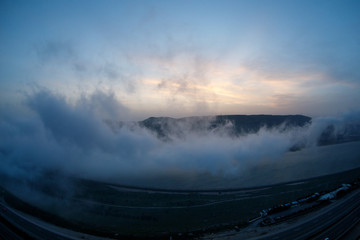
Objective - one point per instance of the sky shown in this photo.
(185, 58)
(70, 70)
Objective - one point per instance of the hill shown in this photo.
(165, 127)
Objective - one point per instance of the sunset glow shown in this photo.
(181, 58)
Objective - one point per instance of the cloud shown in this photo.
(55, 51)
(77, 124)
(114, 73)
(283, 100)
(87, 139)
(180, 67)
(77, 144)
(64, 59)
(326, 61)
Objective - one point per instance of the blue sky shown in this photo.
(181, 58)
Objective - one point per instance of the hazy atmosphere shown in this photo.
(86, 140)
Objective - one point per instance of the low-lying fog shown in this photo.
(85, 139)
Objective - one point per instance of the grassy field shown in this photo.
(108, 209)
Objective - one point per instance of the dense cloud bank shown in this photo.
(86, 139)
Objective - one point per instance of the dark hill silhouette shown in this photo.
(166, 127)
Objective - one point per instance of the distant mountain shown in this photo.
(165, 127)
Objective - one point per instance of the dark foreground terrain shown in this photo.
(117, 211)
(190, 204)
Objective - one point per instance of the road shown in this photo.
(332, 224)
(6, 232)
(25, 226)
(79, 200)
(339, 229)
